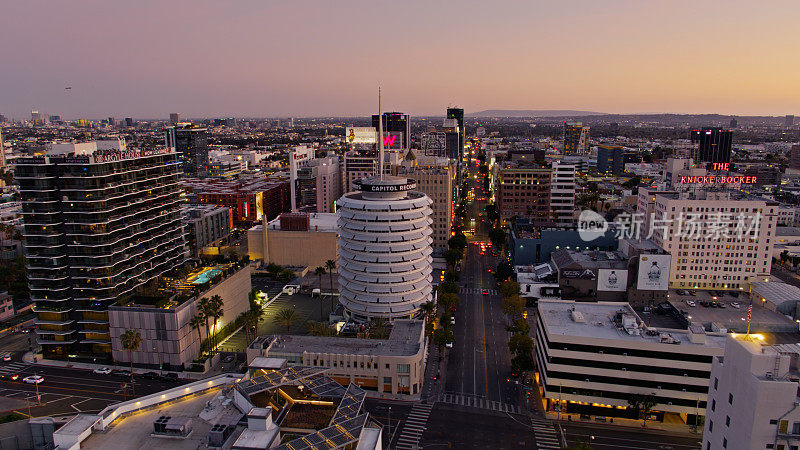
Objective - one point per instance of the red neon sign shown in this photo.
(713, 179)
(388, 141)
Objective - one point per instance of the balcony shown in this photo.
(41, 341)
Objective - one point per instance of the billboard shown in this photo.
(653, 272)
(612, 280)
(360, 135)
(584, 274)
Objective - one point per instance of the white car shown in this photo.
(6, 357)
(691, 303)
(102, 371)
(33, 379)
(452, 321)
(736, 305)
(449, 345)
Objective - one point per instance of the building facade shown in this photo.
(205, 225)
(100, 221)
(384, 249)
(562, 194)
(191, 142)
(753, 397)
(319, 183)
(592, 357)
(712, 145)
(524, 190)
(437, 184)
(309, 245)
(576, 138)
(610, 160)
(702, 231)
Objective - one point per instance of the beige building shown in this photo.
(391, 368)
(437, 182)
(701, 231)
(753, 397)
(167, 337)
(302, 242)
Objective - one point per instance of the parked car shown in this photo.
(170, 376)
(680, 292)
(121, 373)
(452, 320)
(705, 303)
(735, 294)
(150, 376)
(229, 358)
(735, 305)
(721, 305)
(102, 371)
(33, 379)
(449, 345)
(691, 303)
(692, 293)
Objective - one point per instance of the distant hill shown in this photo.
(532, 113)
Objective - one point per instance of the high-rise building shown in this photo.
(562, 194)
(100, 221)
(437, 183)
(174, 118)
(191, 142)
(752, 397)
(2, 152)
(434, 144)
(576, 138)
(712, 145)
(384, 249)
(788, 121)
(112, 122)
(794, 157)
(319, 183)
(357, 166)
(681, 223)
(523, 190)
(395, 122)
(129, 122)
(610, 159)
(458, 115)
(38, 118)
(734, 123)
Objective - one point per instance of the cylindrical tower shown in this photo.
(384, 249)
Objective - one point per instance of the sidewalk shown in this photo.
(39, 361)
(678, 428)
(432, 388)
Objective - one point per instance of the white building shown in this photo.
(593, 356)
(320, 184)
(753, 397)
(702, 230)
(384, 249)
(562, 193)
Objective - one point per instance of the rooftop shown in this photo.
(590, 259)
(322, 222)
(596, 320)
(404, 340)
(776, 293)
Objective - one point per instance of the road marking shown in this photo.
(76, 409)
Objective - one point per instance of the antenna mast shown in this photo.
(380, 136)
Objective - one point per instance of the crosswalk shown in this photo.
(13, 367)
(465, 290)
(478, 402)
(414, 426)
(546, 436)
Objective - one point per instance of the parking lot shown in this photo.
(729, 311)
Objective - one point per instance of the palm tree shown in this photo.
(427, 310)
(216, 311)
(380, 327)
(320, 271)
(330, 265)
(130, 340)
(286, 317)
(196, 322)
(202, 307)
(251, 320)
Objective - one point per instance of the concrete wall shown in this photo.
(292, 248)
(15, 435)
(166, 334)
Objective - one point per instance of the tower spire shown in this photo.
(380, 135)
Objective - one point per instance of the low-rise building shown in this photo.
(168, 339)
(295, 239)
(205, 225)
(593, 357)
(392, 368)
(592, 275)
(753, 397)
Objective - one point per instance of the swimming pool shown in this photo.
(206, 275)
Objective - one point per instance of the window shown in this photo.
(724, 443)
(710, 426)
(730, 399)
(387, 366)
(403, 368)
(773, 421)
(716, 382)
(727, 421)
(713, 404)
(387, 380)
(796, 428)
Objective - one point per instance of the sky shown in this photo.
(275, 58)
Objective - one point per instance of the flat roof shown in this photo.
(404, 340)
(776, 292)
(263, 362)
(78, 424)
(318, 222)
(598, 323)
(591, 259)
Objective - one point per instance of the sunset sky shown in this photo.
(251, 58)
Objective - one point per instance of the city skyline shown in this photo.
(249, 59)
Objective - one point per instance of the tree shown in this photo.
(380, 328)
(483, 169)
(508, 288)
(580, 445)
(522, 363)
(448, 300)
(448, 287)
(498, 238)
(320, 329)
(458, 242)
(286, 317)
(491, 212)
(330, 265)
(513, 306)
(214, 309)
(441, 336)
(504, 271)
(520, 326)
(196, 322)
(203, 305)
(251, 320)
(130, 340)
(451, 277)
(642, 404)
(320, 271)
(520, 343)
(427, 309)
